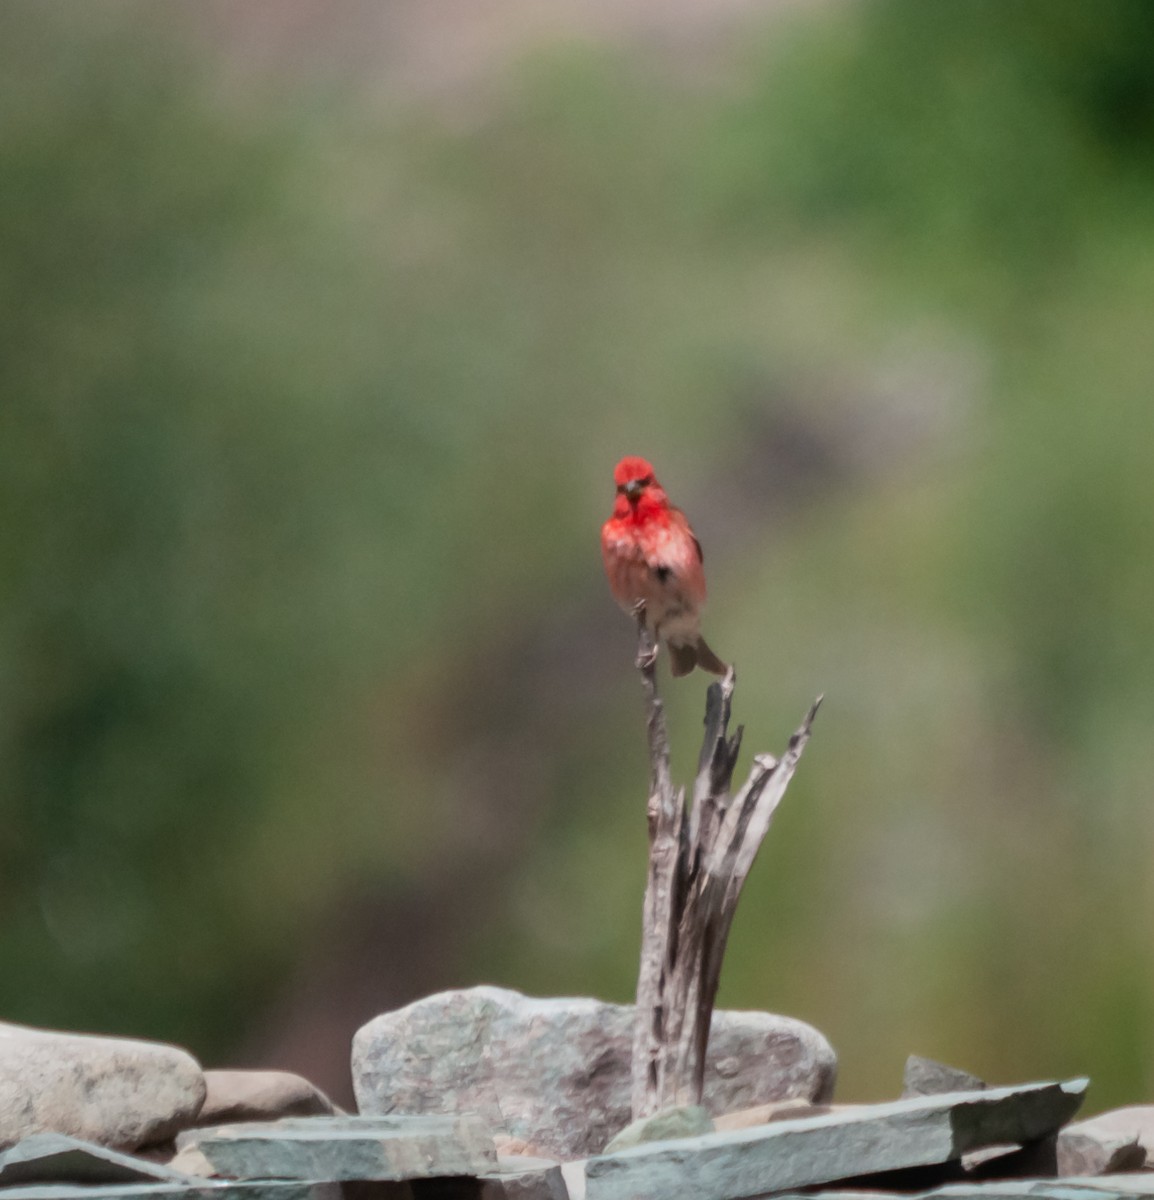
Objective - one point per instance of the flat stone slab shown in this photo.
(1126, 1186)
(58, 1158)
(200, 1190)
(276, 1189)
(347, 1148)
(800, 1154)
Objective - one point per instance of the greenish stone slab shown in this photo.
(348, 1148)
(58, 1158)
(811, 1151)
(1126, 1186)
(201, 1189)
(1099, 1187)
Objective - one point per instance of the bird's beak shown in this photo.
(633, 489)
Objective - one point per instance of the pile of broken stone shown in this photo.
(487, 1094)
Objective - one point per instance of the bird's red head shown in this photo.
(633, 475)
(637, 487)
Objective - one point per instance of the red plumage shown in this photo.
(651, 555)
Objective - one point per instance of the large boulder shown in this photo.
(556, 1072)
(113, 1091)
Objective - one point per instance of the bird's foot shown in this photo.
(646, 658)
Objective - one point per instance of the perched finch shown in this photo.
(651, 556)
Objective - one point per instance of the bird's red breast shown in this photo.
(650, 552)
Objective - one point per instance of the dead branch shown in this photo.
(698, 862)
(665, 818)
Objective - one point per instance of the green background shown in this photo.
(314, 364)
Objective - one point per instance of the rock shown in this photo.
(523, 1178)
(346, 1148)
(924, 1077)
(685, 1121)
(264, 1189)
(573, 1173)
(1139, 1186)
(1084, 1152)
(556, 1072)
(1037, 1160)
(112, 1091)
(1124, 1186)
(510, 1146)
(818, 1150)
(1136, 1121)
(779, 1110)
(260, 1096)
(190, 1161)
(58, 1158)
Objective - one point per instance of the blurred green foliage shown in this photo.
(305, 410)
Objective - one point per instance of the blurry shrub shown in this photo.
(303, 408)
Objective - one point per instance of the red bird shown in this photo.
(651, 556)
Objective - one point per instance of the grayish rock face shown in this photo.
(556, 1072)
(798, 1154)
(924, 1077)
(1084, 1152)
(1136, 1121)
(112, 1091)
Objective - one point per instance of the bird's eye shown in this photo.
(646, 481)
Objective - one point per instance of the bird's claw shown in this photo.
(647, 658)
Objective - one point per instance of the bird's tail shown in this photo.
(685, 657)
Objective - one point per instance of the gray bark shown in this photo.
(699, 859)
